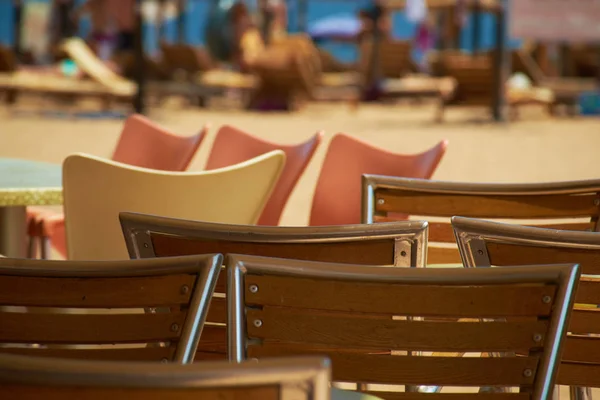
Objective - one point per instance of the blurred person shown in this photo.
(103, 36)
(375, 10)
(122, 12)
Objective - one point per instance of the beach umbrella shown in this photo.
(338, 26)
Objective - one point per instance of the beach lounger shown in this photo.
(475, 79)
(567, 91)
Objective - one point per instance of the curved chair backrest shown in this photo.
(80, 305)
(232, 146)
(573, 205)
(96, 190)
(337, 195)
(279, 307)
(401, 244)
(146, 144)
(488, 243)
(298, 378)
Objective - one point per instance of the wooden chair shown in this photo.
(98, 305)
(297, 378)
(233, 145)
(486, 243)
(571, 205)
(236, 194)
(361, 317)
(400, 244)
(336, 200)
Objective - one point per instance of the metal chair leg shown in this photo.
(45, 246)
(31, 247)
(580, 393)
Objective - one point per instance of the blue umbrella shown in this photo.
(339, 26)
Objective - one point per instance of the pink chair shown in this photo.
(142, 143)
(233, 146)
(338, 193)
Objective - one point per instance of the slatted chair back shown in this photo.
(95, 310)
(298, 378)
(484, 243)
(571, 205)
(395, 59)
(401, 244)
(474, 75)
(364, 318)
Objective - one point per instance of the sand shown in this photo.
(535, 148)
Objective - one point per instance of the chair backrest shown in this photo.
(186, 58)
(395, 57)
(337, 196)
(49, 304)
(293, 378)
(77, 50)
(474, 75)
(8, 60)
(487, 243)
(361, 317)
(232, 146)
(146, 144)
(561, 205)
(401, 244)
(96, 190)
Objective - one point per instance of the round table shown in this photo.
(24, 183)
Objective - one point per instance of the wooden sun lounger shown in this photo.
(474, 77)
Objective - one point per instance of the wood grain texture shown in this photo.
(156, 291)
(118, 354)
(588, 291)
(575, 374)
(449, 396)
(89, 328)
(364, 252)
(61, 393)
(212, 342)
(502, 254)
(365, 331)
(443, 255)
(582, 349)
(415, 300)
(217, 311)
(485, 206)
(585, 321)
(413, 370)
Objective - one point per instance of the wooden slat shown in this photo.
(585, 321)
(76, 392)
(217, 312)
(213, 340)
(104, 354)
(588, 291)
(449, 396)
(443, 232)
(89, 328)
(502, 254)
(586, 375)
(443, 255)
(414, 370)
(364, 252)
(491, 206)
(399, 299)
(364, 331)
(153, 291)
(582, 349)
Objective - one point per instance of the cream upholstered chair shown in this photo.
(96, 190)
